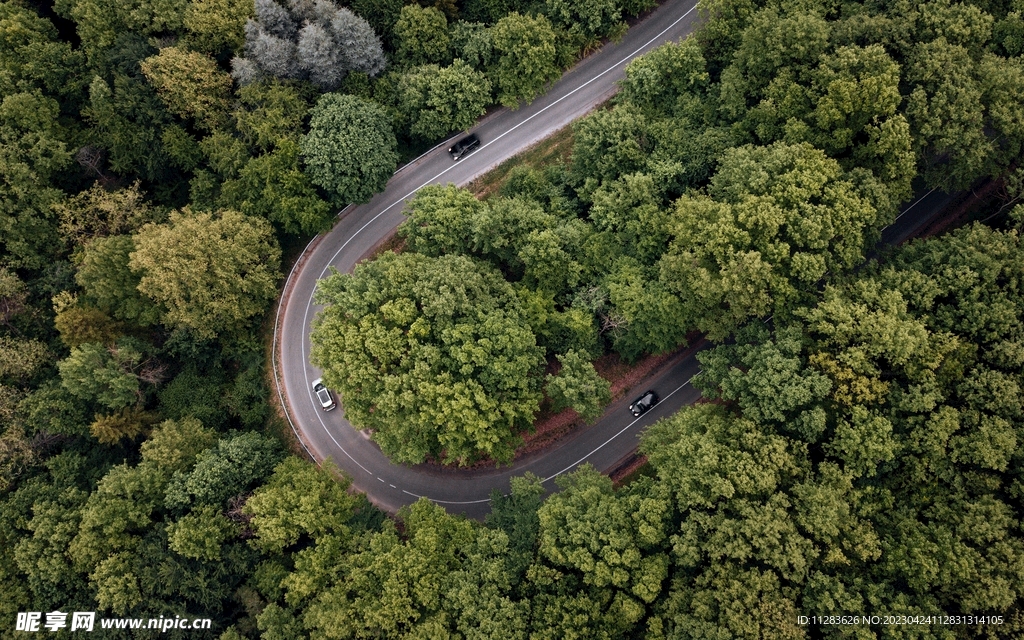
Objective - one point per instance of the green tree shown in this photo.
(190, 84)
(350, 149)
(645, 314)
(13, 296)
(33, 57)
(587, 20)
(445, 577)
(946, 115)
(774, 50)
(98, 23)
(109, 284)
(436, 101)
(730, 477)
(299, 500)
(608, 144)
(127, 120)
(433, 354)
(212, 274)
(525, 49)
(501, 231)
(97, 213)
(421, 36)
(32, 152)
(768, 379)
(200, 534)
(232, 467)
(515, 514)
(441, 220)
(195, 393)
(780, 218)
(613, 540)
(106, 375)
(1001, 81)
(578, 385)
(116, 515)
(51, 409)
(659, 79)
(274, 187)
(550, 257)
(42, 552)
(381, 14)
(471, 42)
(631, 207)
(216, 25)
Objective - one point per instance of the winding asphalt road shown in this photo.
(504, 134)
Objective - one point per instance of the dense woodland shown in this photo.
(858, 455)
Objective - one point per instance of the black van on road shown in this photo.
(464, 146)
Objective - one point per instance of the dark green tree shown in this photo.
(350, 149)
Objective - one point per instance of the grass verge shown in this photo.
(554, 148)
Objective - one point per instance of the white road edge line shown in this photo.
(916, 202)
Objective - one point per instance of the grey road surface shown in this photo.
(327, 435)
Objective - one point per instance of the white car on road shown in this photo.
(323, 395)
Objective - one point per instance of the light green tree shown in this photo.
(216, 25)
(22, 358)
(268, 113)
(127, 423)
(298, 500)
(174, 444)
(93, 372)
(190, 84)
(210, 273)
(232, 467)
(97, 213)
(200, 534)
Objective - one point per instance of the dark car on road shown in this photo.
(642, 404)
(464, 146)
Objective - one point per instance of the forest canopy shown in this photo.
(859, 454)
